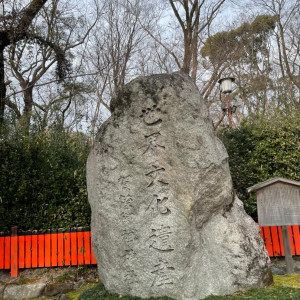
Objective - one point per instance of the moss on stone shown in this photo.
(74, 295)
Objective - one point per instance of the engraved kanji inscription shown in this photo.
(153, 142)
(159, 205)
(162, 271)
(160, 239)
(151, 115)
(129, 254)
(125, 180)
(156, 176)
(126, 201)
(129, 236)
(126, 217)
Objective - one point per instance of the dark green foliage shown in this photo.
(42, 181)
(261, 150)
(245, 41)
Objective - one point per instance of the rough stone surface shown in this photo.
(24, 291)
(165, 221)
(278, 271)
(79, 284)
(2, 286)
(58, 288)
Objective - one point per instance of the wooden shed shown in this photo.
(278, 202)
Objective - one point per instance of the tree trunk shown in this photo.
(291, 76)
(2, 88)
(7, 37)
(27, 112)
(194, 47)
(187, 59)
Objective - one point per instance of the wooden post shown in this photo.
(14, 259)
(60, 247)
(287, 249)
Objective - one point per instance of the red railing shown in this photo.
(273, 240)
(32, 249)
(56, 248)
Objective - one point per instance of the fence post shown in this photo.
(287, 249)
(14, 261)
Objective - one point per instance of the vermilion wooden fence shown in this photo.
(273, 240)
(73, 247)
(55, 248)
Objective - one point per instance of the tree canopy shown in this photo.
(62, 61)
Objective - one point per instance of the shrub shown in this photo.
(261, 150)
(42, 181)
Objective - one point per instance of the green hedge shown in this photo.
(260, 150)
(43, 181)
(43, 175)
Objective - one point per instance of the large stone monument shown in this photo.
(165, 220)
